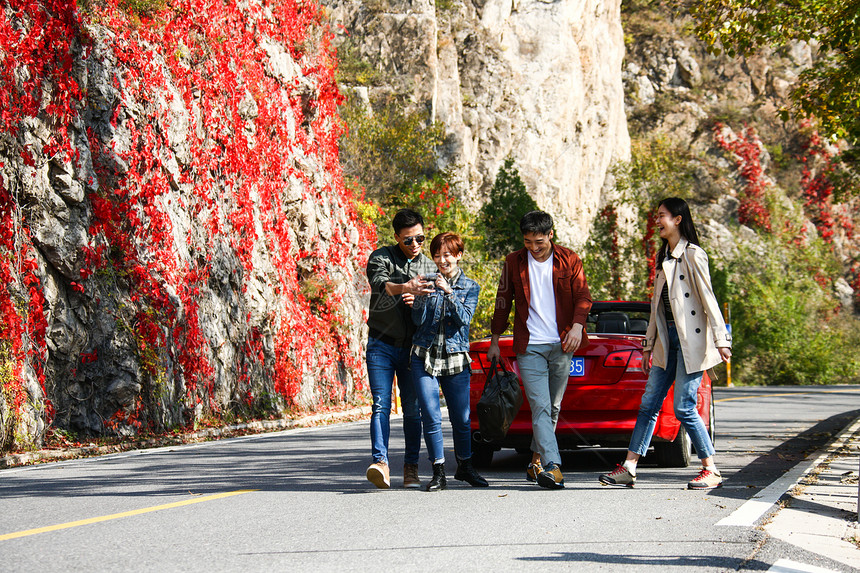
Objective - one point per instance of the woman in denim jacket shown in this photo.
(440, 358)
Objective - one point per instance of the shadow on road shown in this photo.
(709, 561)
(335, 461)
(768, 467)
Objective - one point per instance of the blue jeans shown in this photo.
(456, 390)
(545, 370)
(383, 362)
(686, 395)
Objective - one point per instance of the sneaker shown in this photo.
(533, 471)
(619, 476)
(551, 477)
(410, 476)
(377, 474)
(706, 480)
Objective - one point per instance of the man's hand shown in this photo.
(408, 299)
(646, 362)
(494, 352)
(418, 286)
(573, 339)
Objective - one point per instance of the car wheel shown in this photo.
(675, 454)
(482, 455)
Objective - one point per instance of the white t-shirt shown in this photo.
(543, 327)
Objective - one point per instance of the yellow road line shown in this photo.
(120, 515)
(786, 394)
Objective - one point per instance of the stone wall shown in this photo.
(180, 244)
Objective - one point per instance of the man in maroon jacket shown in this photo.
(548, 285)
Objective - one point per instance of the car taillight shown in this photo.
(617, 359)
(635, 361)
(632, 359)
(477, 363)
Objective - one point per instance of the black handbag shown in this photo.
(500, 401)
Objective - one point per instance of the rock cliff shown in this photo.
(178, 245)
(704, 104)
(535, 80)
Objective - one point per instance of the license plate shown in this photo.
(577, 366)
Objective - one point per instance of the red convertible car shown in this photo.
(603, 393)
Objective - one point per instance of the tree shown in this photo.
(501, 214)
(828, 89)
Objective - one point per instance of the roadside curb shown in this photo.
(820, 510)
(764, 502)
(233, 430)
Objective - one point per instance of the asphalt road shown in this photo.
(298, 500)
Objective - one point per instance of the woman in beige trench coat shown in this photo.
(686, 336)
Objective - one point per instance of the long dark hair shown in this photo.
(677, 206)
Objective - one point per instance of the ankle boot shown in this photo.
(466, 472)
(438, 481)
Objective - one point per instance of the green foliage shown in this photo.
(352, 69)
(785, 323)
(144, 8)
(500, 216)
(387, 148)
(615, 260)
(621, 243)
(658, 169)
(827, 90)
(444, 5)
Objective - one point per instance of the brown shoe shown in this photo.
(378, 475)
(410, 476)
(533, 471)
(551, 477)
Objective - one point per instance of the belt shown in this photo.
(390, 340)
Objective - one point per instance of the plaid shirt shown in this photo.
(437, 361)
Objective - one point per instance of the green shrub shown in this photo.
(500, 216)
(387, 150)
(352, 69)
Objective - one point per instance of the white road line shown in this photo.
(789, 566)
(747, 514)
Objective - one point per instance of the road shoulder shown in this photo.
(820, 513)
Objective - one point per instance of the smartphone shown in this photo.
(430, 277)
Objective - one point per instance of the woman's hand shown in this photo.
(443, 285)
(646, 362)
(725, 353)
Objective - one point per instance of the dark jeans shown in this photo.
(383, 362)
(456, 391)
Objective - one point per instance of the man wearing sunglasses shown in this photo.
(395, 274)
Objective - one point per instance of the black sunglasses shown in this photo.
(417, 238)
